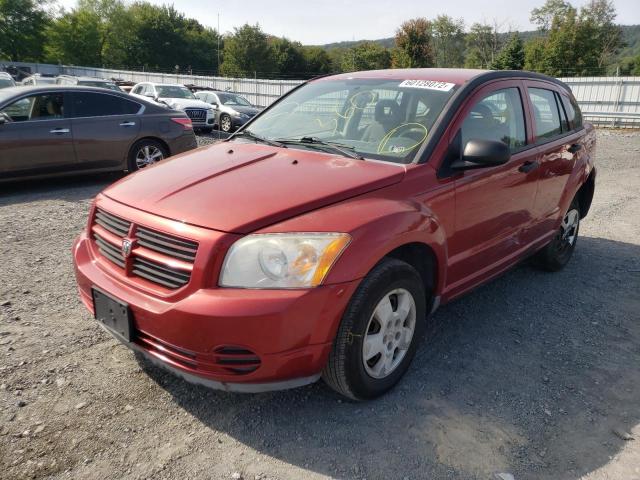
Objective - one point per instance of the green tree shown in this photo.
(511, 57)
(247, 52)
(75, 39)
(366, 56)
(22, 29)
(598, 16)
(448, 41)
(289, 57)
(483, 45)
(414, 39)
(317, 61)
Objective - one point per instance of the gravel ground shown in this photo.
(534, 375)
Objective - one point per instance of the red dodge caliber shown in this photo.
(319, 239)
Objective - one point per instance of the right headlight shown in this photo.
(282, 260)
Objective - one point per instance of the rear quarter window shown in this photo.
(574, 114)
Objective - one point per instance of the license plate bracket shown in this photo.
(113, 314)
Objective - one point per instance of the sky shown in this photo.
(315, 22)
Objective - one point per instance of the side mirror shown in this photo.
(3, 118)
(482, 153)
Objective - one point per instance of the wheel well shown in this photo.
(585, 195)
(155, 139)
(421, 257)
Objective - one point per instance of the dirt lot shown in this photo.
(536, 375)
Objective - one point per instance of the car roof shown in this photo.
(458, 76)
(5, 74)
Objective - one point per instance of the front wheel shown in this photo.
(225, 123)
(379, 333)
(558, 252)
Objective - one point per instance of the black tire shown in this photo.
(558, 252)
(345, 371)
(153, 145)
(226, 125)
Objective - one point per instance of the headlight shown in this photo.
(282, 260)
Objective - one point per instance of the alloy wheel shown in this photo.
(389, 333)
(225, 123)
(148, 155)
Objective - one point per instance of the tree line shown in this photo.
(110, 33)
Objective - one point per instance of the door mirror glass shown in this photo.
(3, 118)
(482, 153)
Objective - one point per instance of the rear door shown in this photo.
(104, 128)
(38, 138)
(558, 148)
(493, 204)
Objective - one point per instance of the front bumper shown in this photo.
(289, 332)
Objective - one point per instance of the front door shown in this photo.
(493, 204)
(36, 136)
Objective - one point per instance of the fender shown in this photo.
(394, 223)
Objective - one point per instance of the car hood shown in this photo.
(182, 103)
(237, 187)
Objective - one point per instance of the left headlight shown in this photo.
(282, 260)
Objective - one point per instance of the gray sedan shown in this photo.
(55, 130)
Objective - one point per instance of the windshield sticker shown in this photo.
(428, 84)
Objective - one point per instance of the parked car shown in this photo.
(46, 131)
(87, 82)
(38, 79)
(318, 240)
(6, 80)
(178, 97)
(232, 110)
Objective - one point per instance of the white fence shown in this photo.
(608, 101)
(605, 101)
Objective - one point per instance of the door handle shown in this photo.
(128, 124)
(59, 131)
(528, 166)
(574, 148)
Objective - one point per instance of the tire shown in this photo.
(558, 252)
(138, 157)
(347, 371)
(225, 123)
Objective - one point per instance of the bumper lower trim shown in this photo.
(216, 385)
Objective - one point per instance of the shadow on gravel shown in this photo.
(530, 374)
(70, 189)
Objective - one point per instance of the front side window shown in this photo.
(48, 106)
(86, 104)
(230, 99)
(499, 117)
(174, 91)
(545, 113)
(382, 119)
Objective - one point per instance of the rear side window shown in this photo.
(100, 105)
(573, 112)
(500, 117)
(545, 113)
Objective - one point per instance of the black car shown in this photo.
(56, 130)
(232, 110)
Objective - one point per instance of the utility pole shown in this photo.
(218, 43)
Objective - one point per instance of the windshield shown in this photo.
(172, 91)
(376, 118)
(107, 85)
(5, 82)
(229, 99)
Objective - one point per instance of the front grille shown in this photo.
(157, 257)
(196, 114)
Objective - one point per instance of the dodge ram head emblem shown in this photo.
(126, 247)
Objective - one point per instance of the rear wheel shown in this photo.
(146, 152)
(379, 333)
(558, 252)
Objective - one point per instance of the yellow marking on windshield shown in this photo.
(393, 132)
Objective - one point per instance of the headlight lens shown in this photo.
(282, 260)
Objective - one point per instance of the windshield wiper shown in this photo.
(337, 147)
(258, 138)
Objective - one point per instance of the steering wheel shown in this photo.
(403, 138)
